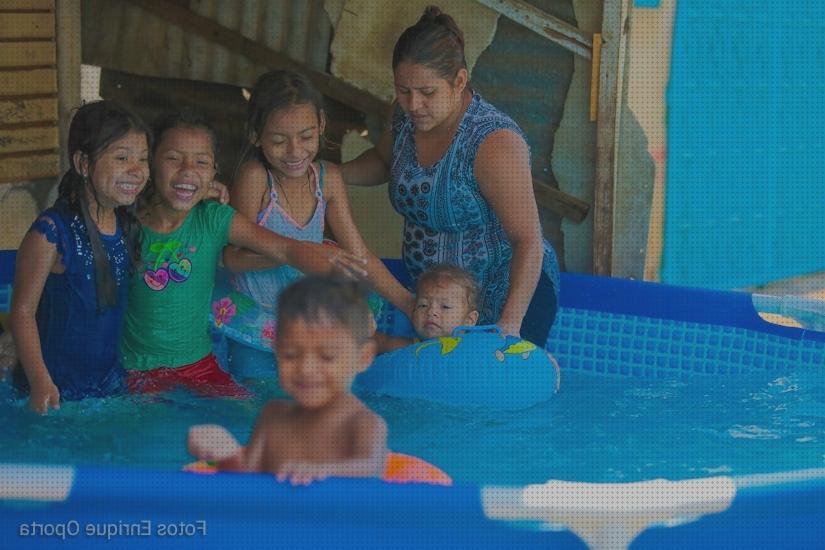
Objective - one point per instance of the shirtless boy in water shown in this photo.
(322, 342)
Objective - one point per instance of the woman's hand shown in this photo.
(218, 191)
(509, 328)
(44, 396)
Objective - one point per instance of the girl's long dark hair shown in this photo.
(94, 127)
(275, 90)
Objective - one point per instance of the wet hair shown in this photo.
(316, 297)
(435, 41)
(184, 118)
(448, 273)
(273, 91)
(94, 127)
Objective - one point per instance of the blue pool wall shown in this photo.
(254, 511)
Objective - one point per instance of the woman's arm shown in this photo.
(371, 167)
(307, 256)
(36, 258)
(248, 196)
(502, 169)
(339, 217)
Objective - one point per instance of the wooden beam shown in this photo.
(19, 140)
(28, 111)
(27, 54)
(27, 5)
(548, 26)
(614, 37)
(28, 82)
(560, 202)
(43, 164)
(26, 25)
(68, 67)
(259, 54)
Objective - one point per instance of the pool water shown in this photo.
(598, 428)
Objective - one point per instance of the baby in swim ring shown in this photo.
(446, 298)
(323, 341)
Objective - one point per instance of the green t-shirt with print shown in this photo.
(167, 320)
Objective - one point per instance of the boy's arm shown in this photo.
(369, 455)
(213, 443)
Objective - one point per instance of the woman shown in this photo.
(459, 173)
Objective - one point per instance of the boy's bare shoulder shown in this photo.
(363, 417)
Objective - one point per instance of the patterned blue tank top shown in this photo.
(446, 218)
(79, 341)
(265, 286)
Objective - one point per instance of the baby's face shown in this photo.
(317, 360)
(440, 307)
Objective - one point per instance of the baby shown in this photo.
(322, 342)
(446, 298)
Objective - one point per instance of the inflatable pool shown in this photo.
(606, 329)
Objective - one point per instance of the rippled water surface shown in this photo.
(596, 429)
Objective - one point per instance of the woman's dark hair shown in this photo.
(184, 118)
(94, 127)
(435, 41)
(276, 90)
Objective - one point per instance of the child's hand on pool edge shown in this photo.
(44, 396)
(212, 443)
(302, 473)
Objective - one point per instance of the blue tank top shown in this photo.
(79, 340)
(446, 218)
(265, 286)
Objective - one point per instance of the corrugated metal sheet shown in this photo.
(119, 35)
(527, 76)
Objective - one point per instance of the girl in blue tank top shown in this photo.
(283, 189)
(73, 265)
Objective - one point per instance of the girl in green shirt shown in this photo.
(166, 341)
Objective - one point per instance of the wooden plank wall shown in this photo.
(29, 136)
